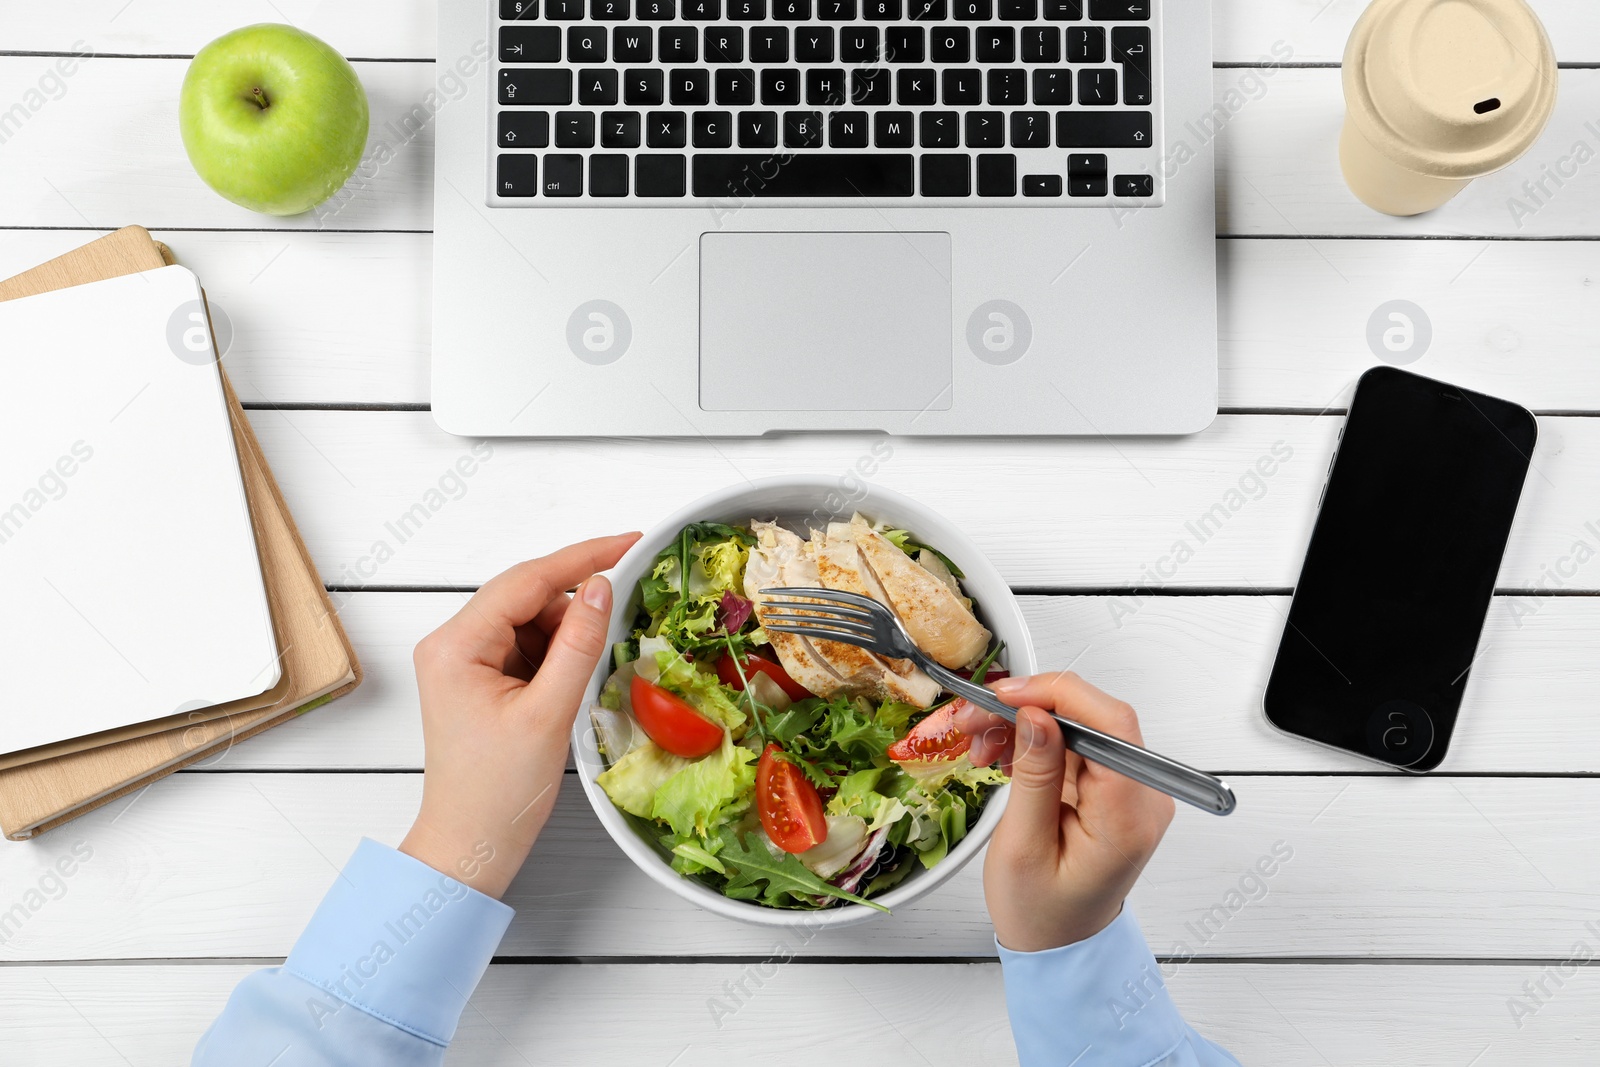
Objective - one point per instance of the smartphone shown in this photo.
(1386, 616)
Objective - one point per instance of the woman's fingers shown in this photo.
(516, 596)
(1073, 698)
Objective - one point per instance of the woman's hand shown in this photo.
(1074, 835)
(500, 684)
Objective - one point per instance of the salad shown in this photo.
(779, 769)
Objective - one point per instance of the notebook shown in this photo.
(318, 662)
(130, 565)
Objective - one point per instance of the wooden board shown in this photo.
(1243, 30)
(1382, 866)
(315, 658)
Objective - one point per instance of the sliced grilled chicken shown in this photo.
(935, 617)
(781, 558)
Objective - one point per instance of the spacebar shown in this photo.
(758, 174)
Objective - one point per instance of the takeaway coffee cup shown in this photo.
(1439, 92)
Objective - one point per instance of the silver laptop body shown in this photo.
(738, 217)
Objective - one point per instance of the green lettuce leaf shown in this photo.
(633, 780)
(708, 792)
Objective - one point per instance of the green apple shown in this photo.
(273, 118)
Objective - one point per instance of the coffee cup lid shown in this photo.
(1450, 88)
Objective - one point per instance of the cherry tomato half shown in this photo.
(728, 671)
(670, 721)
(789, 805)
(934, 738)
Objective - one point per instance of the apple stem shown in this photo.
(261, 98)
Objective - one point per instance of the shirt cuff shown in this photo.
(1101, 1000)
(400, 941)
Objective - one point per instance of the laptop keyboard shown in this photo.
(800, 100)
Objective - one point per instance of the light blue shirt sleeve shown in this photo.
(379, 977)
(1099, 1003)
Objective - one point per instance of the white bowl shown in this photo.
(801, 503)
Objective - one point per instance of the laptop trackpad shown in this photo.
(825, 321)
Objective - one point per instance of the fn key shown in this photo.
(517, 175)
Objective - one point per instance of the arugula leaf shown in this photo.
(903, 540)
(750, 865)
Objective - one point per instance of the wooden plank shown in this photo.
(1244, 30)
(101, 148)
(232, 865)
(1277, 163)
(1193, 666)
(1287, 1015)
(1511, 318)
(1102, 513)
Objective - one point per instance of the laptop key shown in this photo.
(687, 86)
(869, 88)
(586, 44)
(882, 174)
(530, 44)
(758, 129)
(1134, 185)
(747, 10)
(769, 44)
(881, 10)
(814, 45)
(962, 86)
(1030, 129)
(780, 87)
(928, 10)
(997, 44)
(517, 175)
(574, 129)
(1008, 87)
(1041, 44)
(791, 10)
(1086, 44)
(713, 129)
(940, 129)
(519, 9)
(524, 129)
(836, 10)
(847, 129)
(620, 129)
(522, 86)
(1086, 174)
(736, 86)
(986, 129)
(1097, 87)
(666, 129)
(974, 10)
(914, 87)
(563, 10)
(702, 10)
(951, 44)
(679, 44)
(597, 88)
(630, 44)
(858, 44)
(947, 174)
(724, 44)
(825, 86)
(658, 175)
(893, 129)
(1019, 10)
(640, 87)
(608, 10)
(1052, 87)
(906, 44)
(1063, 10)
(1041, 185)
(802, 129)
(608, 175)
(1130, 46)
(655, 10)
(997, 174)
(563, 176)
(1119, 10)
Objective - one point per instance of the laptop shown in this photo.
(742, 217)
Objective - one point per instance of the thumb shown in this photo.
(574, 650)
(1037, 774)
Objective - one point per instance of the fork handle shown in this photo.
(1177, 780)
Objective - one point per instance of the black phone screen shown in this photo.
(1402, 563)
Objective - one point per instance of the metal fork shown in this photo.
(852, 619)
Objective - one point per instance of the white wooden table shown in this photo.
(1412, 914)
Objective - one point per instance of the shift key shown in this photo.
(521, 86)
(1104, 129)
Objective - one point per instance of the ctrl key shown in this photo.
(563, 175)
(517, 176)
